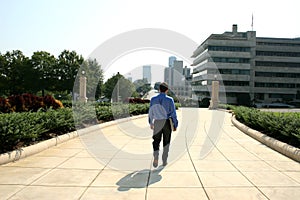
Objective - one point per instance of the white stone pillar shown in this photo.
(82, 89)
(214, 102)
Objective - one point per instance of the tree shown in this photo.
(3, 76)
(94, 75)
(118, 86)
(43, 64)
(142, 86)
(68, 64)
(17, 72)
(156, 85)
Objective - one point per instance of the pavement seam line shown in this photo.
(87, 187)
(40, 177)
(148, 180)
(187, 148)
(231, 162)
(267, 163)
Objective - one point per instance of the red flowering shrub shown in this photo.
(4, 105)
(137, 100)
(28, 102)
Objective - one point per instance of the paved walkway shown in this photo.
(209, 159)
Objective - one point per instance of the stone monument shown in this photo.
(214, 102)
(82, 88)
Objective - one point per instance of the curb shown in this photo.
(46, 144)
(36, 148)
(281, 147)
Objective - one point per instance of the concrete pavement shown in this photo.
(209, 159)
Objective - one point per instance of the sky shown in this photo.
(83, 25)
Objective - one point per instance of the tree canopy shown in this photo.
(118, 88)
(42, 71)
(142, 86)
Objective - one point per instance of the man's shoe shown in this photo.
(155, 162)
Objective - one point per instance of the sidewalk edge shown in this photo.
(24, 152)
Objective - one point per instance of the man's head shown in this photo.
(163, 87)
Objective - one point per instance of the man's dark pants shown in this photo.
(162, 128)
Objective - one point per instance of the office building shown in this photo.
(266, 69)
(171, 60)
(147, 73)
(175, 76)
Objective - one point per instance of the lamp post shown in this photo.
(82, 88)
(214, 102)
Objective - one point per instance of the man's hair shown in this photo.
(163, 87)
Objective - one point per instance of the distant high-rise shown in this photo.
(147, 73)
(186, 72)
(178, 78)
(171, 61)
(168, 74)
(177, 73)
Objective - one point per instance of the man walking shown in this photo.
(162, 115)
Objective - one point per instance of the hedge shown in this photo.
(282, 126)
(20, 129)
(25, 128)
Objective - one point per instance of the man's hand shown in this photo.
(152, 126)
(174, 129)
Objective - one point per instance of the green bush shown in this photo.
(116, 111)
(25, 128)
(19, 129)
(282, 126)
(84, 114)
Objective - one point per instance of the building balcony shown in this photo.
(200, 59)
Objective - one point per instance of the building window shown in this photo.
(276, 53)
(282, 96)
(236, 83)
(275, 85)
(229, 48)
(234, 71)
(277, 44)
(277, 74)
(276, 64)
(231, 94)
(259, 96)
(230, 60)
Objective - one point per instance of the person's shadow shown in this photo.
(140, 179)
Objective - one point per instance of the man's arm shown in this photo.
(173, 115)
(150, 115)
